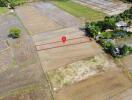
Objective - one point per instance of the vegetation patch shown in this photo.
(15, 33)
(3, 10)
(79, 71)
(12, 3)
(112, 29)
(79, 10)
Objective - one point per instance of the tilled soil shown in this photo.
(61, 54)
(107, 6)
(20, 65)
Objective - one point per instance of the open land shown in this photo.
(79, 69)
(111, 85)
(82, 12)
(21, 74)
(76, 70)
(44, 17)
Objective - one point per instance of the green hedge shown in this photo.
(12, 3)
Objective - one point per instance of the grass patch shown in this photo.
(79, 10)
(3, 10)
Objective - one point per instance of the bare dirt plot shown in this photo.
(29, 93)
(127, 62)
(6, 60)
(105, 86)
(107, 6)
(18, 70)
(58, 44)
(71, 32)
(125, 95)
(42, 17)
(34, 20)
(56, 57)
(59, 16)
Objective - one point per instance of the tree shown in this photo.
(125, 50)
(92, 29)
(102, 25)
(110, 22)
(15, 32)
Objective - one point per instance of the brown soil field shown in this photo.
(54, 58)
(34, 21)
(42, 17)
(111, 85)
(20, 68)
(59, 56)
(127, 62)
(43, 23)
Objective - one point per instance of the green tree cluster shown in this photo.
(12, 3)
(15, 33)
(98, 29)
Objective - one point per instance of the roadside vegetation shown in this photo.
(79, 10)
(3, 9)
(111, 29)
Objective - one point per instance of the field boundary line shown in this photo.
(65, 45)
(60, 41)
(1, 51)
(33, 44)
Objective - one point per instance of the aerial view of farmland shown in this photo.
(65, 50)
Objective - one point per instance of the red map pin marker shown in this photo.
(63, 39)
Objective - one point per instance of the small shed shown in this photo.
(121, 24)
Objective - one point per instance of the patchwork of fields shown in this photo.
(21, 74)
(110, 7)
(39, 66)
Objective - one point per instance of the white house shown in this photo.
(121, 24)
